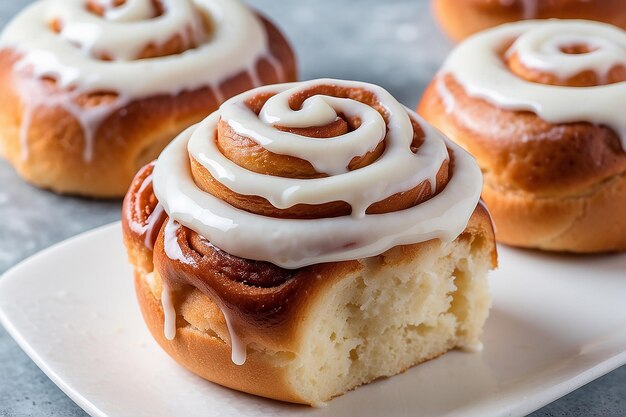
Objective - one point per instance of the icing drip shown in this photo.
(174, 252)
(278, 68)
(73, 57)
(171, 246)
(477, 66)
(89, 118)
(293, 243)
(169, 313)
(237, 346)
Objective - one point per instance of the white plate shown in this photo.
(557, 323)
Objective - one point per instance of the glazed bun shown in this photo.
(462, 18)
(351, 323)
(364, 250)
(551, 142)
(89, 94)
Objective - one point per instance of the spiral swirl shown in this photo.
(562, 70)
(320, 171)
(137, 48)
(95, 57)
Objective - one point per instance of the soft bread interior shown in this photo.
(401, 308)
(395, 313)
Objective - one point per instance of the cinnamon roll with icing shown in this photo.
(462, 18)
(91, 90)
(540, 105)
(308, 238)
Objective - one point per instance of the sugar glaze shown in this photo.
(477, 66)
(73, 57)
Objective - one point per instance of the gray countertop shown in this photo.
(391, 43)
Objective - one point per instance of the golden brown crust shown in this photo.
(549, 186)
(209, 356)
(126, 140)
(272, 333)
(519, 150)
(587, 223)
(461, 18)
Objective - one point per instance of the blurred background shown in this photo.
(393, 43)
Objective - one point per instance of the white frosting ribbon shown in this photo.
(293, 243)
(235, 41)
(477, 65)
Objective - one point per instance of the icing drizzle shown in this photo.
(292, 243)
(477, 66)
(73, 57)
(295, 243)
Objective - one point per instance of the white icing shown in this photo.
(399, 170)
(293, 243)
(174, 252)
(89, 118)
(238, 347)
(169, 313)
(237, 41)
(540, 49)
(477, 66)
(330, 155)
(129, 11)
(116, 38)
(170, 242)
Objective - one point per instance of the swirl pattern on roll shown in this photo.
(72, 43)
(562, 70)
(320, 171)
(125, 50)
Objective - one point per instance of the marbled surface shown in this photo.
(392, 43)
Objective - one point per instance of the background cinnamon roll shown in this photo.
(91, 90)
(308, 238)
(540, 105)
(462, 18)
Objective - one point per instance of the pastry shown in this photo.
(461, 18)
(540, 105)
(308, 238)
(90, 91)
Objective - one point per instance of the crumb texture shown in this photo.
(393, 315)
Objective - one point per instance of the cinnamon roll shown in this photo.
(91, 90)
(462, 18)
(540, 105)
(308, 238)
